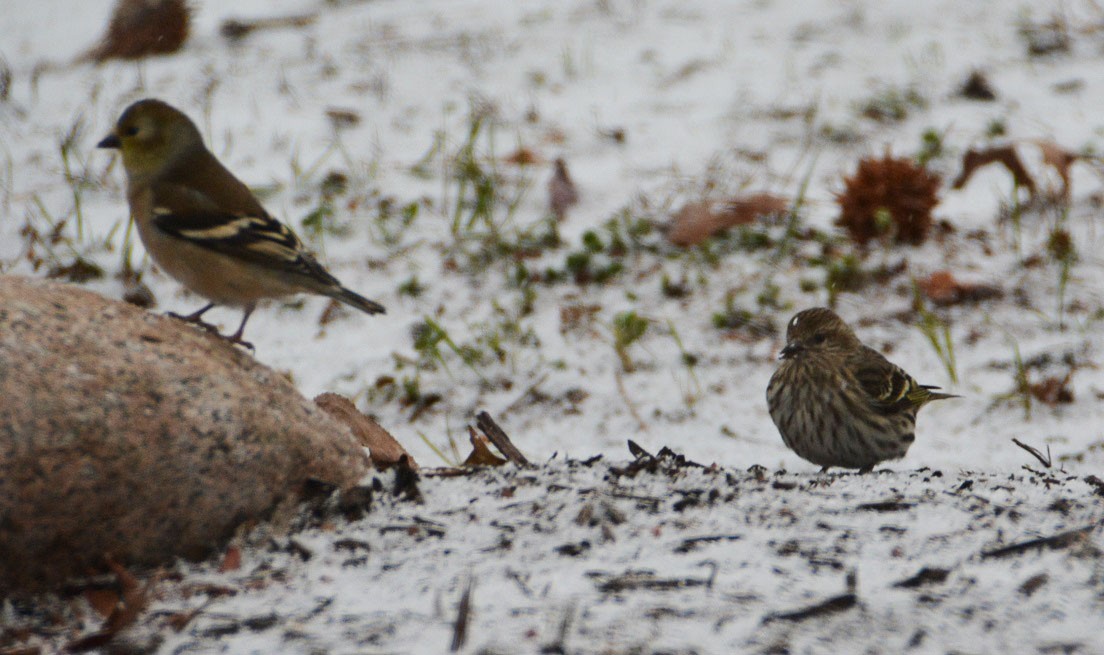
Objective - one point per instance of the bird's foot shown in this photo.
(194, 320)
(238, 341)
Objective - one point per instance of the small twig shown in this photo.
(690, 543)
(499, 438)
(463, 618)
(886, 506)
(648, 581)
(831, 606)
(233, 28)
(1045, 461)
(558, 647)
(1054, 542)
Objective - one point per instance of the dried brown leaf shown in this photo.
(481, 454)
(1004, 155)
(697, 221)
(383, 448)
(942, 288)
(523, 157)
(139, 28)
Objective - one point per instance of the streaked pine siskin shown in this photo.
(837, 402)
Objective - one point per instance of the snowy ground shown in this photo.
(714, 99)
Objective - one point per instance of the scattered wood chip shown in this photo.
(1097, 483)
(943, 289)
(925, 576)
(697, 221)
(978, 87)
(1032, 584)
(383, 448)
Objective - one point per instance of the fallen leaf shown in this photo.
(1053, 390)
(523, 157)
(139, 28)
(697, 221)
(481, 454)
(383, 448)
(943, 289)
(1005, 155)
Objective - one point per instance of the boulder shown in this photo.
(139, 437)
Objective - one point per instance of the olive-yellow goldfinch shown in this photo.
(202, 226)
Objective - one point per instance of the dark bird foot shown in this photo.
(238, 341)
(194, 320)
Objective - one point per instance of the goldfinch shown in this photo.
(837, 402)
(205, 228)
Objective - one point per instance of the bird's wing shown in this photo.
(256, 237)
(887, 386)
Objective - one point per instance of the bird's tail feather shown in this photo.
(930, 394)
(354, 299)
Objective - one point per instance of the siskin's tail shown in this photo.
(930, 394)
(354, 299)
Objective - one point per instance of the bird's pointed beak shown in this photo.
(790, 350)
(110, 141)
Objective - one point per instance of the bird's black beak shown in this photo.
(110, 141)
(790, 350)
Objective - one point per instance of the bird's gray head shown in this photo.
(817, 330)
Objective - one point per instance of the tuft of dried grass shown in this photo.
(888, 198)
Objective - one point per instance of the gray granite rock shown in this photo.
(135, 435)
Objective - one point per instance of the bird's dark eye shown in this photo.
(818, 338)
(131, 131)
